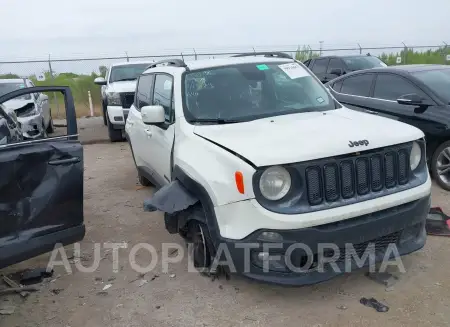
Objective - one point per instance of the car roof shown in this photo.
(337, 56)
(226, 61)
(400, 69)
(11, 80)
(419, 67)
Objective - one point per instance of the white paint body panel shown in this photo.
(307, 136)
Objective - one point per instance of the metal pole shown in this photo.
(91, 106)
(405, 53)
(360, 49)
(321, 47)
(126, 54)
(195, 53)
(445, 52)
(54, 94)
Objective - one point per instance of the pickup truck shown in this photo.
(118, 95)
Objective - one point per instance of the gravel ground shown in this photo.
(113, 213)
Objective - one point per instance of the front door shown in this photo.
(41, 187)
(160, 137)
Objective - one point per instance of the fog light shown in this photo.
(270, 237)
(118, 118)
(272, 262)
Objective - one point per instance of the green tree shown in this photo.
(305, 53)
(102, 70)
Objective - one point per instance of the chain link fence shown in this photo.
(80, 73)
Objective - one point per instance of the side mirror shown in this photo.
(411, 100)
(152, 114)
(336, 71)
(100, 81)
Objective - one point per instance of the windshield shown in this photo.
(251, 91)
(360, 63)
(9, 87)
(126, 72)
(437, 80)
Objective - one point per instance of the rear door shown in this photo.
(41, 183)
(354, 91)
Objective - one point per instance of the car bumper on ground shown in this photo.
(403, 225)
(117, 116)
(32, 127)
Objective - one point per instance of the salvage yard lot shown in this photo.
(113, 213)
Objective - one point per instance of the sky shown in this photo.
(97, 28)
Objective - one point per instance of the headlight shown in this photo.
(415, 156)
(113, 99)
(28, 111)
(275, 183)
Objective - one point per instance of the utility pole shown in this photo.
(321, 47)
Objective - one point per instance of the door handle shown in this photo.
(148, 132)
(64, 161)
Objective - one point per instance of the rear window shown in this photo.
(367, 62)
(251, 91)
(126, 72)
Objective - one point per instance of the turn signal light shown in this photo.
(239, 181)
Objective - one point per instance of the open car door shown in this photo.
(41, 187)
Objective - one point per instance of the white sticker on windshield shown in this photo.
(320, 99)
(293, 70)
(168, 85)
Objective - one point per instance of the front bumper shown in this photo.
(31, 127)
(117, 116)
(403, 225)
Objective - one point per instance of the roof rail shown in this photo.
(168, 62)
(265, 54)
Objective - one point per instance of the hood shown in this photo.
(15, 104)
(123, 86)
(307, 136)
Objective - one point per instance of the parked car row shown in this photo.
(250, 152)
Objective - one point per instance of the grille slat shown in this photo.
(351, 177)
(127, 99)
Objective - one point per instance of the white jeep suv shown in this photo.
(118, 95)
(254, 150)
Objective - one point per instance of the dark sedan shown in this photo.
(415, 94)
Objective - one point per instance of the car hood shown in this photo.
(307, 136)
(124, 86)
(15, 104)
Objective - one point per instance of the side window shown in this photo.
(391, 87)
(335, 63)
(163, 94)
(320, 66)
(357, 85)
(144, 91)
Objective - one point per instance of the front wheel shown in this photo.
(105, 114)
(440, 165)
(115, 135)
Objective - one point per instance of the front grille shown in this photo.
(127, 99)
(356, 176)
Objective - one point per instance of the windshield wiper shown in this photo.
(218, 121)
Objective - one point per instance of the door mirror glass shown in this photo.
(100, 81)
(152, 114)
(336, 71)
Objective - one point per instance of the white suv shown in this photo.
(269, 156)
(118, 95)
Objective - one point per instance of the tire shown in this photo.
(143, 181)
(105, 121)
(50, 127)
(203, 250)
(440, 165)
(115, 135)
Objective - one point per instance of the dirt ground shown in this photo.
(113, 213)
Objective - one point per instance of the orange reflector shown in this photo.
(239, 181)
